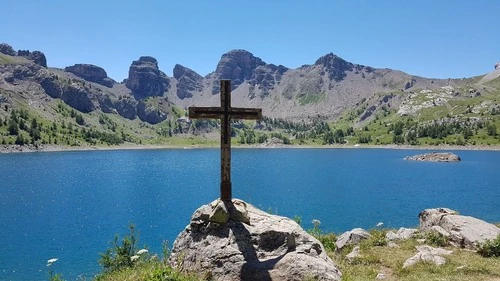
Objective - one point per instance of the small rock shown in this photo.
(433, 251)
(381, 276)
(392, 245)
(353, 254)
(352, 237)
(406, 233)
(220, 214)
(390, 235)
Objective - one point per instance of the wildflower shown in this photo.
(134, 258)
(316, 223)
(142, 251)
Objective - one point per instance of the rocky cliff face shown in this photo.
(145, 79)
(188, 81)
(91, 73)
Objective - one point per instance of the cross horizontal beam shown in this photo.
(233, 112)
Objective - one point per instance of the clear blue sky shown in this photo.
(431, 38)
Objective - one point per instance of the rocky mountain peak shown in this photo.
(91, 73)
(188, 81)
(36, 56)
(334, 66)
(237, 65)
(145, 79)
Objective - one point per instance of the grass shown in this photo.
(462, 265)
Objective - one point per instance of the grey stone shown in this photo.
(352, 237)
(392, 245)
(406, 233)
(269, 247)
(464, 231)
(36, 56)
(149, 113)
(353, 254)
(381, 276)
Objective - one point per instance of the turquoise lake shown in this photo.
(69, 205)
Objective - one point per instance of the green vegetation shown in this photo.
(490, 248)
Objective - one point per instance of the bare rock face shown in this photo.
(241, 65)
(7, 49)
(36, 56)
(335, 66)
(266, 247)
(149, 114)
(188, 81)
(91, 73)
(463, 231)
(145, 79)
(352, 237)
(435, 157)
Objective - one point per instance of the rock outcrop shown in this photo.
(462, 231)
(188, 81)
(36, 56)
(435, 157)
(352, 237)
(266, 247)
(428, 254)
(7, 49)
(91, 73)
(497, 66)
(145, 79)
(150, 114)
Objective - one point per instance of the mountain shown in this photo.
(332, 89)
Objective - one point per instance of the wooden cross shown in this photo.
(225, 113)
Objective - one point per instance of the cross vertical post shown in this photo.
(225, 113)
(225, 139)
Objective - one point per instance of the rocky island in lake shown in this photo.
(435, 157)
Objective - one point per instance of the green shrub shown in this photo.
(436, 239)
(490, 248)
(120, 255)
(377, 237)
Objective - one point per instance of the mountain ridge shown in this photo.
(331, 89)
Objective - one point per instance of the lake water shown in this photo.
(69, 205)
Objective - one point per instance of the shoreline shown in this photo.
(59, 148)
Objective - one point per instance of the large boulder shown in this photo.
(463, 231)
(352, 237)
(145, 79)
(188, 81)
(428, 254)
(91, 73)
(265, 247)
(7, 49)
(435, 157)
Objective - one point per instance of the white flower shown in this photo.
(316, 222)
(142, 251)
(134, 258)
(380, 224)
(51, 261)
